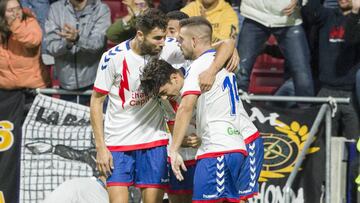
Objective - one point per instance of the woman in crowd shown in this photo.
(20, 41)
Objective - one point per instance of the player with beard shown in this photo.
(131, 143)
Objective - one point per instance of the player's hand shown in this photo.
(206, 80)
(177, 162)
(104, 161)
(290, 8)
(233, 62)
(193, 141)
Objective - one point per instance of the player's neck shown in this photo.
(200, 50)
(135, 46)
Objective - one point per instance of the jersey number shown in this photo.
(233, 94)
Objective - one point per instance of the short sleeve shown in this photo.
(191, 82)
(105, 74)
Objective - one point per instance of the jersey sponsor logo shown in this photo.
(232, 131)
(210, 196)
(6, 135)
(138, 98)
(164, 180)
(124, 83)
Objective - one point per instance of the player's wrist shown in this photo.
(100, 147)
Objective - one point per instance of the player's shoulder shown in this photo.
(115, 53)
(171, 42)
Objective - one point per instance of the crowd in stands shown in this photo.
(318, 40)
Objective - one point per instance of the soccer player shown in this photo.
(221, 121)
(131, 143)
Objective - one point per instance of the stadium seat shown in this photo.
(267, 74)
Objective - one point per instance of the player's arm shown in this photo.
(190, 140)
(103, 156)
(182, 121)
(225, 50)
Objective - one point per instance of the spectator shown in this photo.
(75, 36)
(124, 28)
(40, 8)
(173, 26)
(338, 62)
(221, 15)
(20, 64)
(283, 20)
(352, 35)
(174, 5)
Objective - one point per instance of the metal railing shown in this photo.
(325, 111)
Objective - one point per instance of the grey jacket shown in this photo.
(76, 65)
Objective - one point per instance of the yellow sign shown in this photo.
(282, 149)
(6, 136)
(2, 199)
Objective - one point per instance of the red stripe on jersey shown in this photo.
(138, 146)
(248, 196)
(100, 90)
(191, 92)
(165, 186)
(217, 200)
(174, 104)
(109, 184)
(217, 154)
(252, 137)
(124, 83)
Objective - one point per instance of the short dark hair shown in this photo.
(156, 73)
(196, 21)
(177, 15)
(150, 19)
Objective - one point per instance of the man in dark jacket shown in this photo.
(339, 60)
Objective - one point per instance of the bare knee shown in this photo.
(152, 195)
(118, 194)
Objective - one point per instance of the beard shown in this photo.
(187, 55)
(149, 49)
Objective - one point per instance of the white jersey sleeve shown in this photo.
(106, 73)
(172, 53)
(191, 82)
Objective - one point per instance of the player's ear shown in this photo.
(193, 42)
(173, 77)
(140, 35)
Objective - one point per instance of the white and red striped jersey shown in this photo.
(132, 120)
(221, 121)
